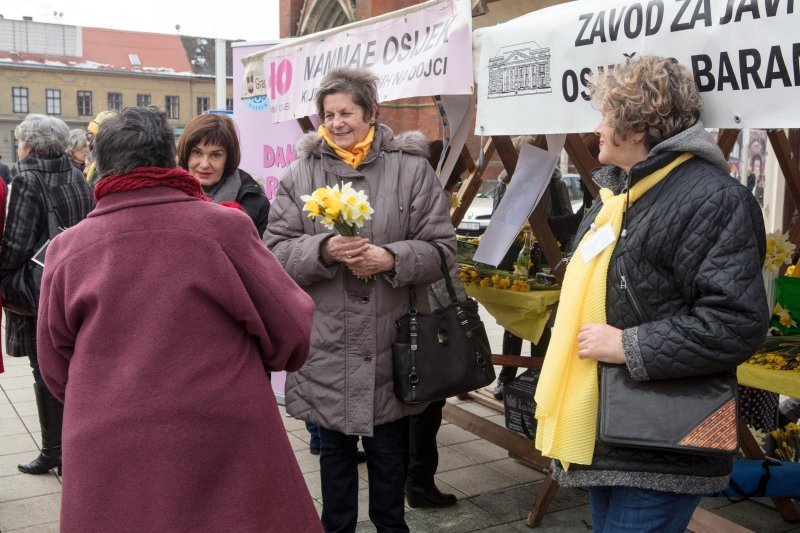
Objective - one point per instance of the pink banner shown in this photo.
(267, 148)
(420, 51)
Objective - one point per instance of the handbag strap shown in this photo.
(412, 298)
(51, 212)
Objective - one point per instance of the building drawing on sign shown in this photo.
(517, 69)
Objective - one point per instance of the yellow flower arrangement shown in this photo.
(469, 275)
(787, 442)
(784, 316)
(779, 251)
(344, 209)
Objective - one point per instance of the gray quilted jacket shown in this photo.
(346, 384)
(693, 301)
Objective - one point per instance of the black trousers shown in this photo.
(386, 451)
(512, 345)
(423, 455)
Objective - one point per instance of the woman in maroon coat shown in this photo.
(160, 316)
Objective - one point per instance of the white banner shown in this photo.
(420, 51)
(744, 54)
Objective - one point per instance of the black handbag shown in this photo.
(21, 289)
(441, 354)
(696, 415)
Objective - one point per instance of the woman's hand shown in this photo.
(373, 261)
(601, 342)
(339, 249)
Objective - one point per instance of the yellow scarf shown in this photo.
(359, 152)
(566, 396)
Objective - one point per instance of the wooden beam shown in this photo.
(518, 361)
(305, 124)
(707, 522)
(544, 496)
(726, 141)
(578, 152)
(791, 173)
(487, 430)
(471, 185)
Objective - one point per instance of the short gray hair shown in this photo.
(360, 84)
(77, 140)
(43, 135)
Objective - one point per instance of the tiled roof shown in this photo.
(155, 50)
(117, 50)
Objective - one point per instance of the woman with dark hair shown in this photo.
(42, 142)
(209, 150)
(347, 387)
(163, 354)
(664, 285)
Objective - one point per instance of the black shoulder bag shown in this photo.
(441, 354)
(696, 415)
(21, 289)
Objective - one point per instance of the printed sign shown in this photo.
(267, 148)
(420, 51)
(744, 54)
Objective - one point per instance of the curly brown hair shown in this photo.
(653, 94)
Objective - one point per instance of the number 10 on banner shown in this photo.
(280, 78)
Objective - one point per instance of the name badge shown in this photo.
(600, 239)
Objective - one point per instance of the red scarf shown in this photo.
(143, 177)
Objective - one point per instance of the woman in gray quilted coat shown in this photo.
(346, 386)
(684, 296)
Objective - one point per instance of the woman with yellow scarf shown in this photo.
(665, 278)
(346, 387)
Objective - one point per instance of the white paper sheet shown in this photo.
(460, 111)
(531, 176)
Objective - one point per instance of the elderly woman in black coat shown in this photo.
(43, 169)
(675, 247)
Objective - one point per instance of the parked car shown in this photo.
(573, 183)
(477, 217)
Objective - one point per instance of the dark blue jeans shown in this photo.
(631, 510)
(386, 451)
(313, 431)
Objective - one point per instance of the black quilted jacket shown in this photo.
(692, 301)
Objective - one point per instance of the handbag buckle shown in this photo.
(413, 378)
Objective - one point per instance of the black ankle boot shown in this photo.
(428, 497)
(51, 413)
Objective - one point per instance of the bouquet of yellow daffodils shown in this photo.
(344, 209)
(779, 252)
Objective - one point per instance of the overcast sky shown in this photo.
(252, 20)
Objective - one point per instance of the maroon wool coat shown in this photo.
(158, 316)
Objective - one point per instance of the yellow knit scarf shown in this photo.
(359, 152)
(566, 396)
